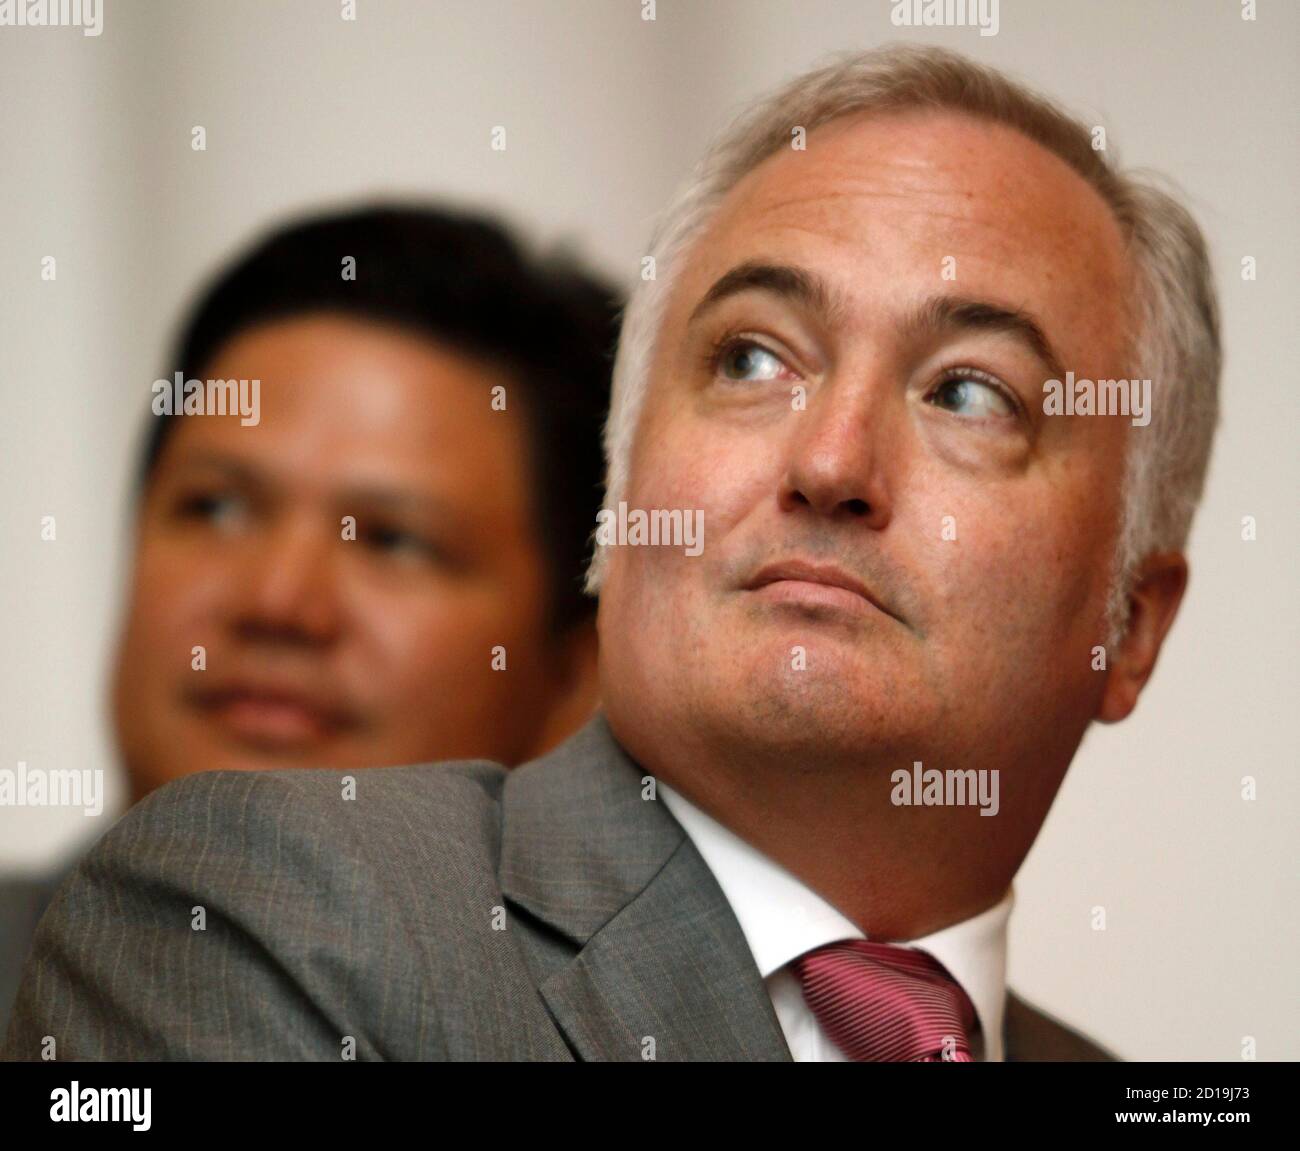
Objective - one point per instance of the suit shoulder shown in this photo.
(302, 834)
(1032, 1035)
(467, 780)
(334, 806)
(266, 914)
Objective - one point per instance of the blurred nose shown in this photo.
(287, 587)
(839, 457)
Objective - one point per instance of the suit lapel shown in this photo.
(1033, 1036)
(661, 969)
(1013, 1037)
(670, 977)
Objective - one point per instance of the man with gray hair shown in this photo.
(830, 738)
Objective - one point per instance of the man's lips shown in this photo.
(271, 714)
(805, 583)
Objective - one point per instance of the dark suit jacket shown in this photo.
(452, 911)
(23, 900)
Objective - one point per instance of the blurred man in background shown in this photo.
(385, 565)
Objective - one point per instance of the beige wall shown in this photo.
(604, 113)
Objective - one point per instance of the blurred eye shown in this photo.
(971, 394)
(221, 509)
(397, 542)
(747, 362)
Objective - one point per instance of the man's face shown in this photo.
(849, 384)
(327, 645)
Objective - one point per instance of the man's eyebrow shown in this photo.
(785, 280)
(947, 313)
(395, 501)
(376, 495)
(937, 314)
(218, 461)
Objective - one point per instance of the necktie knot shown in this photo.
(880, 1002)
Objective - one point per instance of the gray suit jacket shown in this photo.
(23, 900)
(452, 911)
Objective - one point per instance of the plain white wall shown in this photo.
(605, 113)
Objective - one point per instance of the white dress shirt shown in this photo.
(782, 919)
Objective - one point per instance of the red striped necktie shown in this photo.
(883, 1003)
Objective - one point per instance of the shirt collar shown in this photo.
(782, 918)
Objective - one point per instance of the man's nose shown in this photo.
(287, 587)
(839, 455)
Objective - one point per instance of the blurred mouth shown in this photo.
(814, 586)
(271, 716)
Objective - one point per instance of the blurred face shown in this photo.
(904, 558)
(348, 565)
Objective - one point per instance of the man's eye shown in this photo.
(747, 362)
(966, 394)
(397, 542)
(222, 509)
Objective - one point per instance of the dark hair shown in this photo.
(463, 281)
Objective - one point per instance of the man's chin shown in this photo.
(838, 721)
(809, 671)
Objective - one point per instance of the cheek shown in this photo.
(435, 643)
(424, 662)
(403, 640)
(1026, 571)
(655, 590)
(672, 467)
(174, 592)
(694, 465)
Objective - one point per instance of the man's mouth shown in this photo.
(269, 715)
(804, 583)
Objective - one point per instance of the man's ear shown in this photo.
(1152, 604)
(577, 692)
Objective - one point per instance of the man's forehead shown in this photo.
(887, 196)
(980, 165)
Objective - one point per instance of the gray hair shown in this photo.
(1176, 330)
